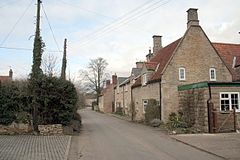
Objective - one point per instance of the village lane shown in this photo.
(104, 137)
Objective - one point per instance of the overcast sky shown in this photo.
(119, 31)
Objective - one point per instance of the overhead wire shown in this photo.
(147, 10)
(98, 14)
(54, 38)
(14, 26)
(25, 49)
(87, 10)
(119, 20)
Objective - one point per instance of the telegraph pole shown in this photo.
(36, 70)
(64, 60)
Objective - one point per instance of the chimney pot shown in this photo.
(11, 73)
(192, 17)
(114, 79)
(139, 64)
(157, 43)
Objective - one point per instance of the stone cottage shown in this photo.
(106, 99)
(193, 58)
(119, 91)
(123, 90)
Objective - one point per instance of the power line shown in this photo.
(14, 26)
(136, 15)
(87, 10)
(54, 38)
(119, 20)
(24, 49)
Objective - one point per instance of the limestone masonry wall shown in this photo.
(53, 129)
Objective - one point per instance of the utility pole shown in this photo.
(64, 60)
(36, 70)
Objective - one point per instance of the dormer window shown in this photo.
(144, 79)
(182, 74)
(212, 74)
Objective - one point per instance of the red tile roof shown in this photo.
(163, 57)
(5, 78)
(151, 65)
(228, 52)
(137, 83)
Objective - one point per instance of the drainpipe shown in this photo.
(209, 107)
(160, 100)
(132, 108)
(113, 107)
(123, 100)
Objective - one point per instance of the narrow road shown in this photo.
(104, 137)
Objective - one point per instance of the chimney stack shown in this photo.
(192, 17)
(149, 55)
(114, 79)
(139, 64)
(11, 73)
(157, 43)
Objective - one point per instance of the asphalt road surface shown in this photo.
(104, 137)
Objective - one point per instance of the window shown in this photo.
(212, 74)
(145, 103)
(228, 101)
(144, 79)
(182, 75)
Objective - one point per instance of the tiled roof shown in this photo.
(121, 79)
(228, 52)
(5, 78)
(136, 71)
(151, 65)
(162, 57)
(137, 83)
(125, 82)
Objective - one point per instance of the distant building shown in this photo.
(106, 99)
(7, 78)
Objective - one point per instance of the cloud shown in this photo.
(125, 44)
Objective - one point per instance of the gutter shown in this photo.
(209, 108)
(132, 106)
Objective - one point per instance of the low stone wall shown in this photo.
(53, 129)
(15, 128)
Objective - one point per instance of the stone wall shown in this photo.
(193, 107)
(15, 128)
(52, 129)
(150, 91)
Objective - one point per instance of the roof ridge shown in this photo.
(224, 43)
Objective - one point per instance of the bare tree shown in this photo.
(96, 75)
(49, 65)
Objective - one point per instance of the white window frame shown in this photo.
(144, 79)
(180, 71)
(214, 74)
(145, 103)
(230, 101)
